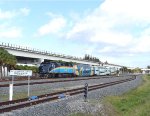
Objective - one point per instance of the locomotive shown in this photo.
(65, 69)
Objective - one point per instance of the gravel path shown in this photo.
(76, 103)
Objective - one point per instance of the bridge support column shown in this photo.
(40, 60)
(143, 72)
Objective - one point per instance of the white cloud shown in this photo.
(25, 11)
(114, 23)
(136, 10)
(106, 49)
(7, 30)
(142, 46)
(89, 50)
(13, 13)
(54, 26)
(53, 15)
(10, 32)
(113, 38)
(7, 14)
(146, 32)
(75, 16)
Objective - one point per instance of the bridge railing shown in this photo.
(43, 52)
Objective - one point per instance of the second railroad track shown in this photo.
(8, 106)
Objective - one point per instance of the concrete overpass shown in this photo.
(145, 71)
(112, 65)
(33, 57)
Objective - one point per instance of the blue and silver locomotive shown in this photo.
(57, 69)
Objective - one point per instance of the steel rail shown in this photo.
(45, 95)
(56, 81)
(33, 78)
(54, 96)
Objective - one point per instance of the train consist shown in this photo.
(57, 69)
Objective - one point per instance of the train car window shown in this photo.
(44, 64)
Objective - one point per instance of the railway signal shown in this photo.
(85, 92)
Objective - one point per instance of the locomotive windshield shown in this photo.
(46, 67)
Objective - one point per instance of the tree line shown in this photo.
(9, 61)
(91, 58)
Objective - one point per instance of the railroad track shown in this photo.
(21, 103)
(33, 78)
(32, 83)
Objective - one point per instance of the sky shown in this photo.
(116, 31)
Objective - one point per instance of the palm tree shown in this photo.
(1, 60)
(6, 60)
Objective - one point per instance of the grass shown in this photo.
(133, 103)
(21, 95)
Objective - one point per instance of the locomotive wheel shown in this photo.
(49, 76)
(69, 75)
(52, 75)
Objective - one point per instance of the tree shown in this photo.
(91, 58)
(148, 66)
(130, 71)
(137, 70)
(106, 62)
(85, 57)
(6, 60)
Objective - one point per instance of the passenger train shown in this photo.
(57, 69)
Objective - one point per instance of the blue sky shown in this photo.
(114, 30)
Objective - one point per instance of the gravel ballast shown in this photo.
(76, 103)
(53, 87)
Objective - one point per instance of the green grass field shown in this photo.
(133, 103)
